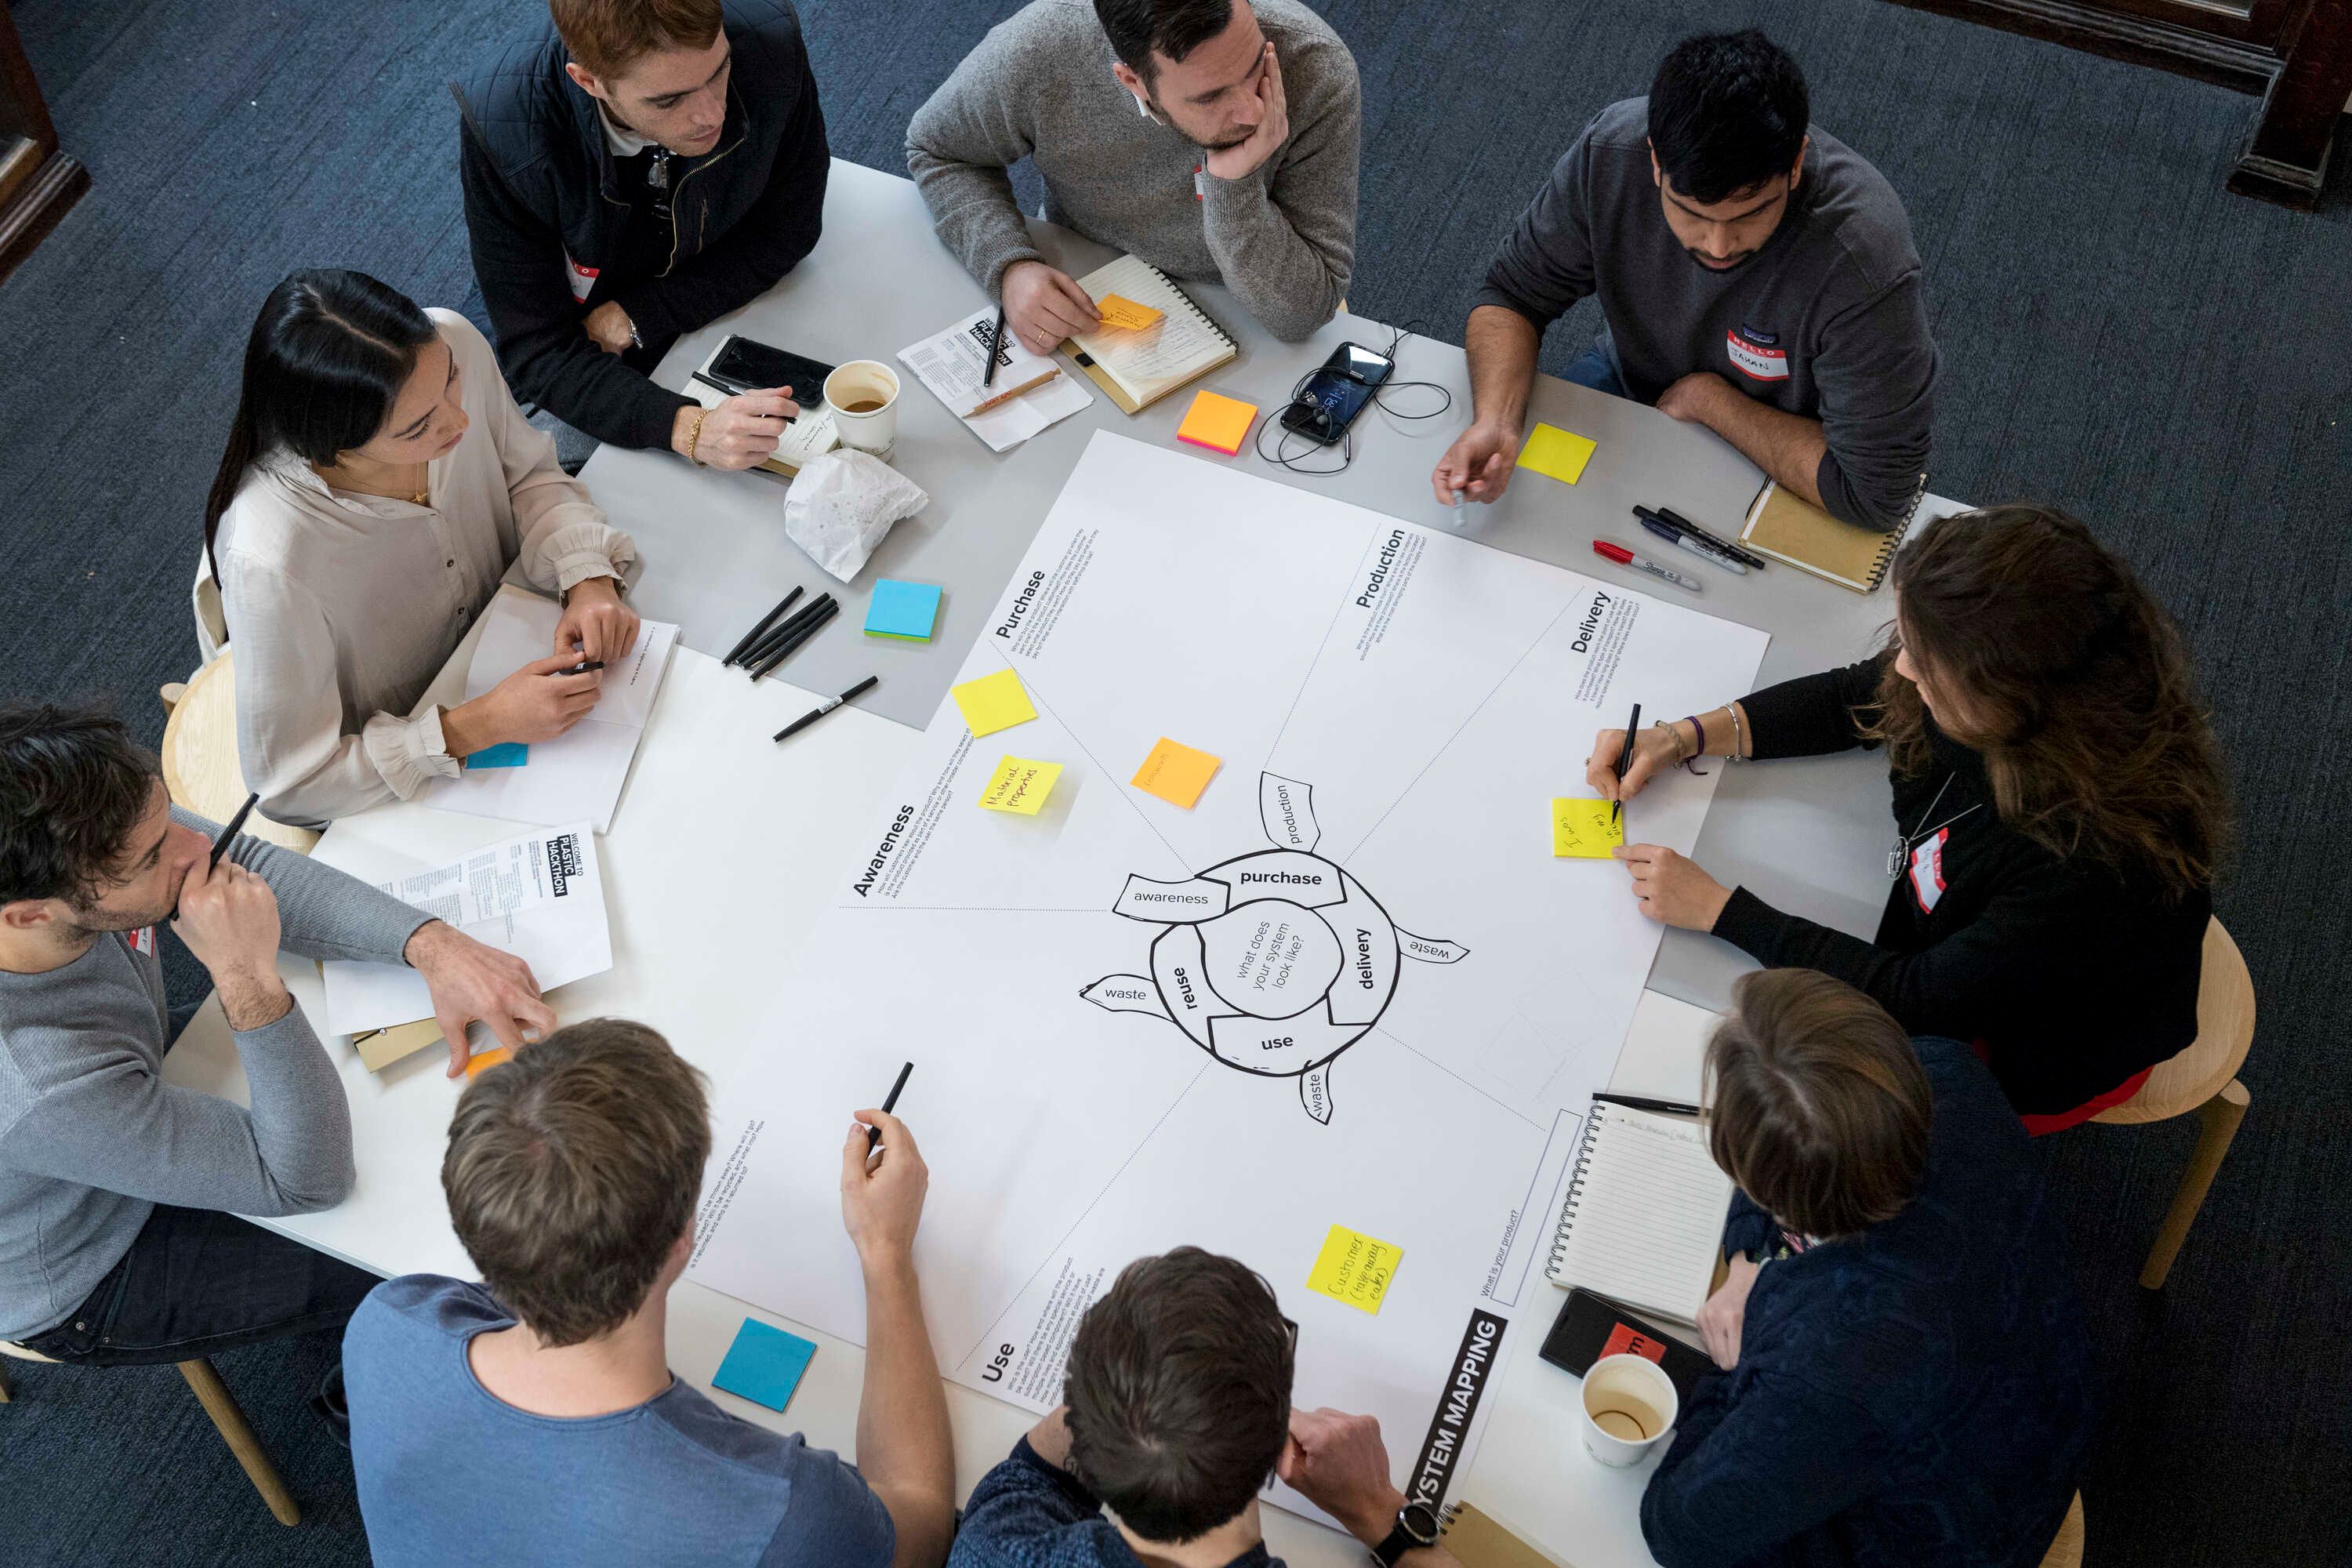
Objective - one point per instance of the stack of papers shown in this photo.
(580, 772)
(952, 363)
(539, 896)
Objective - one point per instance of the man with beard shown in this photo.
(1215, 139)
(1755, 275)
(114, 1248)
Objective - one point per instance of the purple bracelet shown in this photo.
(1700, 730)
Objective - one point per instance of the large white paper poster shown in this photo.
(1351, 987)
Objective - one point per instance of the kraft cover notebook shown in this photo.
(1643, 1221)
(1478, 1539)
(1140, 368)
(1788, 529)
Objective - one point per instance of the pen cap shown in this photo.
(1617, 553)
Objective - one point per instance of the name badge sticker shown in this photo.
(582, 278)
(1757, 361)
(1927, 870)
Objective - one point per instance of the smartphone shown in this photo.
(743, 365)
(1590, 1326)
(1337, 393)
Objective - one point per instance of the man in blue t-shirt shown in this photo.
(571, 1175)
(1176, 1411)
(1906, 1367)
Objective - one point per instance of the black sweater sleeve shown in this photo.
(768, 242)
(547, 356)
(1813, 714)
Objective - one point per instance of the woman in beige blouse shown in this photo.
(378, 483)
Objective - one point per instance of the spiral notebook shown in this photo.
(1788, 529)
(1479, 1540)
(1139, 368)
(1643, 1222)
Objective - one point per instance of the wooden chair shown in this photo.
(2066, 1552)
(2202, 1078)
(199, 767)
(221, 1405)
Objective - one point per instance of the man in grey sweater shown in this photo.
(113, 1249)
(1215, 139)
(1755, 275)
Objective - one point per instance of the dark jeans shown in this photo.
(195, 1281)
(1597, 368)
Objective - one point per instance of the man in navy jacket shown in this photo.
(636, 170)
(1907, 1373)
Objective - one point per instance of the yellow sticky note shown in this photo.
(1559, 454)
(1584, 828)
(1020, 786)
(1117, 311)
(1354, 1268)
(993, 702)
(1176, 774)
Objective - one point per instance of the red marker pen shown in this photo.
(1624, 557)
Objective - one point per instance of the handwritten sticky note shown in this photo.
(1557, 453)
(902, 610)
(1354, 1268)
(505, 754)
(1217, 422)
(1584, 829)
(992, 702)
(1175, 772)
(1128, 314)
(764, 1364)
(1020, 786)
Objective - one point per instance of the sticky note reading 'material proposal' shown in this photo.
(1586, 829)
(1020, 786)
(764, 1364)
(1116, 310)
(992, 702)
(1557, 453)
(1176, 773)
(1354, 1268)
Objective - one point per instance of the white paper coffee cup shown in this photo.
(864, 397)
(1630, 1405)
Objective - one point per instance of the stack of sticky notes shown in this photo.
(505, 754)
(1557, 453)
(1217, 422)
(1176, 774)
(1127, 315)
(992, 702)
(1020, 786)
(764, 1364)
(902, 610)
(1586, 829)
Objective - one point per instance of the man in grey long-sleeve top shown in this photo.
(113, 1245)
(1755, 275)
(1215, 139)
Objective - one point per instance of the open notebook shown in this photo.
(1139, 368)
(1643, 1222)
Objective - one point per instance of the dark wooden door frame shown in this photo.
(2296, 54)
(37, 181)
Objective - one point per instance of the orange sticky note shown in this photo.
(1176, 773)
(1217, 422)
(1117, 311)
(481, 1061)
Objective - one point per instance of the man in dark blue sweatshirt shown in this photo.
(1906, 1367)
(635, 170)
(1755, 274)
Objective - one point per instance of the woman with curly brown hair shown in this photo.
(2059, 802)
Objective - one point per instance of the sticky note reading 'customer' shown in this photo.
(1354, 1268)
(1556, 453)
(505, 754)
(1128, 314)
(992, 702)
(1020, 786)
(1176, 774)
(764, 1364)
(1586, 829)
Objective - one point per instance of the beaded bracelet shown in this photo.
(694, 438)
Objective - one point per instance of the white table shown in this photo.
(719, 859)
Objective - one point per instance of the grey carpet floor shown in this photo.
(2122, 338)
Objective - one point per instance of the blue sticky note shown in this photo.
(902, 609)
(505, 754)
(764, 1364)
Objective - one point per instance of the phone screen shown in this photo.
(1338, 394)
(748, 366)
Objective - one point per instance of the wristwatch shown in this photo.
(1416, 1525)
